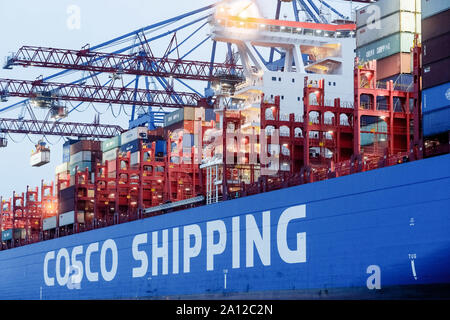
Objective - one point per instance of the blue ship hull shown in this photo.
(375, 235)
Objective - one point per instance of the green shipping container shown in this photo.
(20, 234)
(81, 167)
(173, 117)
(393, 44)
(110, 144)
(185, 113)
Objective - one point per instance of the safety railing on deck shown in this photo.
(264, 184)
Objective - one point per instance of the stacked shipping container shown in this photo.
(84, 154)
(385, 32)
(436, 66)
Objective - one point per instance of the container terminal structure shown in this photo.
(315, 166)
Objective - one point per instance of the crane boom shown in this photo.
(48, 91)
(59, 128)
(87, 60)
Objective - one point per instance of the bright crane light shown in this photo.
(239, 8)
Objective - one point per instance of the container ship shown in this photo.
(322, 172)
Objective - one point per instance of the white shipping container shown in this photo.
(199, 113)
(135, 158)
(80, 217)
(382, 8)
(399, 22)
(62, 168)
(83, 156)
(110, 155)
(40, 158)
(49, 223)
(66, 218)
(134, 134)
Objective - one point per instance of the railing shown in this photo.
(264, 184)
(259, 26)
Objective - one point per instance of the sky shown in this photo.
(72, 24)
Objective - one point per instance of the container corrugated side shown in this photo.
(436, 26)
(436, 98)
(134, 134)
(399, 42)
(80, 157)
(436, 73)
(398, 22)
(40, 158)
(135, 158)
(49, 223)
(382, 8)
(396, 64)
(161, 147)
(66, 218)
(62, 168)
(402, 82)
(85, 145)
(436, 49)
(173, 117)
(436, 122)
(110, 155)
(131, 146)
(433, 7)
(20, 233)
(7, 235)
(110, 144)
(81, 167)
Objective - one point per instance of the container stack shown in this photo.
(131, 142)
(110, 149)
(62, 171)
(436, 66)
(83, 154)
(182, 124)
(17, 234)
(385, 32)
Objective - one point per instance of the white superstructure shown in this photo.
(318, 51)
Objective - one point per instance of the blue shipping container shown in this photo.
(161, 147)
(131, 147)
(7, 235)
(188, 140)
(433, 7)
(66, 149)
(210, 115)
(436, 98)
(403, 81)
(436, 122)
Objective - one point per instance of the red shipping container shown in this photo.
(85, 145)
(436, 49)
(396, 64)
(436, 73)
(112, 166)
(435, 26)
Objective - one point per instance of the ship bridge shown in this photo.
(316, 50)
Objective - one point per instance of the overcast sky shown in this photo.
(49, 23)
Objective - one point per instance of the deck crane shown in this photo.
(314, 10)
(39, 90)
(133, 36)
(57, 128)
(87, 60)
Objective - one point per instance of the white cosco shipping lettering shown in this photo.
(79, 264)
